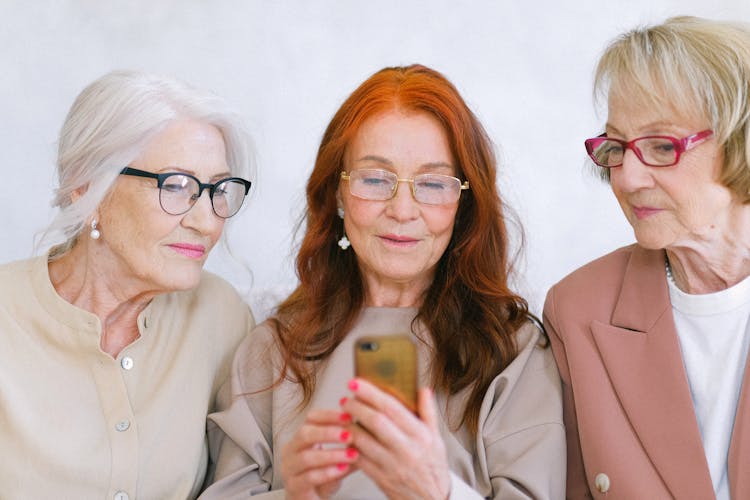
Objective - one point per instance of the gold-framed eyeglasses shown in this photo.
(381, 185)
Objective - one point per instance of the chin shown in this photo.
(651, 242)
(184, 279)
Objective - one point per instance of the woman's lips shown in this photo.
(398, 241)
(188, 250)
(643, 212)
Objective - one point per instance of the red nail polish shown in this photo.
(344, 436)
(345, 417)
(342, 467)
(351, 453)
(353, 385)
(343, 401)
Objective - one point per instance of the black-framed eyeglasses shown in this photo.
(381, 185)
(178, 191)
(652, 150)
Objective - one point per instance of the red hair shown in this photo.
(469, 310)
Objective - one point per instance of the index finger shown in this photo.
(368, 393)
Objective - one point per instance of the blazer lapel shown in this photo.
(739, 449)
(642, 354)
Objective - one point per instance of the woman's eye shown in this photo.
(374, 181)
(173, 187)
(431, 185)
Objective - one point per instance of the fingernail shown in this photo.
(353, 385)
(342, 467)
(351, 453)
(344, 436)
(343, 401)
(345, 417)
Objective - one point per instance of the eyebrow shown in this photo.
(433, 165)
(180, 170)
(651, 126)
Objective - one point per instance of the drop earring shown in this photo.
(344, 243)
(95, 234)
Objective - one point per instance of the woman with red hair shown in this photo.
(430, 260)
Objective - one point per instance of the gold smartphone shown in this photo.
(389, 362)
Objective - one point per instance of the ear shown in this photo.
(78, 193)
(339, 204)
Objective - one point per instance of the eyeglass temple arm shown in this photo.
(138, 173)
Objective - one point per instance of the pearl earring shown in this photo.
(95, 234)
(344, 243)
(340, 211)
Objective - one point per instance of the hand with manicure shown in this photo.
(402, 453)
(318, 457)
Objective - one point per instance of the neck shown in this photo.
(698, 271)
(77, 279)
(394, 294)
(716, 257)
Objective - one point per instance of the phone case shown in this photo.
(389, 362)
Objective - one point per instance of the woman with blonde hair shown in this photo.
(652, 339)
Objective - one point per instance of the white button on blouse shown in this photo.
(601, 481)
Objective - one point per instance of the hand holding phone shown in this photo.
(390, 363)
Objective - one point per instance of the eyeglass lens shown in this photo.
(380, 185)
(180, 192)
(655, 151)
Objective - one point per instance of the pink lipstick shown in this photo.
(643, 212)
(398, 241)
(188, 250)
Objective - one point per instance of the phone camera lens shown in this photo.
(369, 346)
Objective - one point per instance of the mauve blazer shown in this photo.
(627, 407)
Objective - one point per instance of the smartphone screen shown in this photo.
(389, 362)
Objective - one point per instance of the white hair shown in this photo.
(109, 125)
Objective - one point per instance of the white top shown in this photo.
(714, 337)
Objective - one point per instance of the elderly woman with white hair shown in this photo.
(115, 341)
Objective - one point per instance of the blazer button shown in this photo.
(601, 481)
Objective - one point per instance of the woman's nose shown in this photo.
(403, 206)
(632, 175)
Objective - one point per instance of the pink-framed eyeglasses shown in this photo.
(652, 150)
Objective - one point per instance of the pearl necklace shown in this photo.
(669, 271)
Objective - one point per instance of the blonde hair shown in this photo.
(697, 67)
(109, 125)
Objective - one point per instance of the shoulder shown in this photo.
(216, 297)
(212, 315)
(527, 393)
(257, 359)
(16, 278)
(594, 286)
(19, 267)
(608, 267)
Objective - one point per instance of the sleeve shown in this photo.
(239, 432)
(577, 486)
(522, 436)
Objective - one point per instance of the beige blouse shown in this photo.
(519, 452)
(76, 423)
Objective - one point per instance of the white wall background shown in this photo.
(524, 67)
